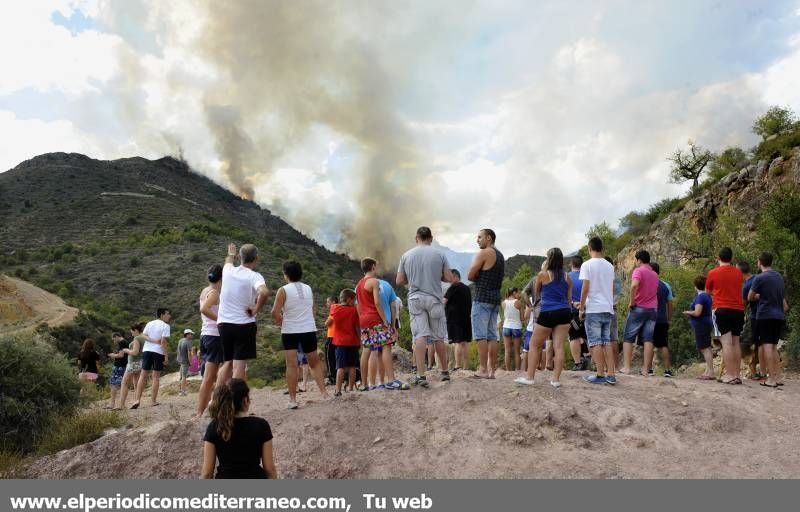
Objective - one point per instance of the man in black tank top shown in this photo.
(487, 273)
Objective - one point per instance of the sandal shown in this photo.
(773, 386)
(135, 406)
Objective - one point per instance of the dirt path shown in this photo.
(642, 428)
(23, 306)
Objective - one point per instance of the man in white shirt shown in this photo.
(154, 354)
(597, 307)
(243, 295)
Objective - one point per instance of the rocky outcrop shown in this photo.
(740, 194)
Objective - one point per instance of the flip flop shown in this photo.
(476, 376)
(775, 386)
(135, 406)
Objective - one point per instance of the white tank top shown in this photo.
(298, 309)
(511, 315)
(209, 327)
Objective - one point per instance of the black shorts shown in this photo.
(702, 336)
(212, 349)
(459, 333)
(305, 340)
(729, 321)
(661, 335)
(238, 341)
(347, 357)
(577, 328)
(769, 331)
(550, 319)
(152, 361)
(754, 332)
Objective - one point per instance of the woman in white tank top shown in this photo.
(293, 311)
(210, 342)
(512, 330)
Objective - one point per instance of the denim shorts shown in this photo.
(598, 328)
(512, 333)
(484, 321)
(641, 323)
(526, 341)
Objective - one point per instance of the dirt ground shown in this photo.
(23, 306)
(473, 428)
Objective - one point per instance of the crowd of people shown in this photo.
(560, 308)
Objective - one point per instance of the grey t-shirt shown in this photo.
(423, 266)
(184, 346)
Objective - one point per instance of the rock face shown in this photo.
(740, 194)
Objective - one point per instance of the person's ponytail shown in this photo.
(228, 401)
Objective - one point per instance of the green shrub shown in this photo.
(781, 145)
(37, 385)
(134, 262)
(68, 431)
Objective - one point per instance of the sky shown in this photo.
(358, 120)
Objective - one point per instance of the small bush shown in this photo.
(69, 431)
(781, 145)
(9, 462)
(135, 262)
(37, 385)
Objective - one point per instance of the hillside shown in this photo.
(120, 238)
(23, 307)
(725, 211)
(468, 428)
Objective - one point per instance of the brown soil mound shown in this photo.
(23, 306)
(474, 428)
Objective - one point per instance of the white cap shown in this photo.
(188, 331)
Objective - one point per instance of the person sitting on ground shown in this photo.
(118, 369)
(724, 283)
(242, 444)
(293, 312)
(699, 314)
(512, 330)
(554, 286)
(768, 292)
(134, 366)
(87, 361)
(182, 358)
(346, 339)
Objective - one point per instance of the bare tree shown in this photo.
(690, 164)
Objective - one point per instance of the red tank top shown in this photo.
(367, 312)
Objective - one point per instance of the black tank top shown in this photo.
(489, 282)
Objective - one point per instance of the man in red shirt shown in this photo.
(725, 285)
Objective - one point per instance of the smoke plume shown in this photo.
(288, 67)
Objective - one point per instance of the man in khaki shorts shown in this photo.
(423, 269)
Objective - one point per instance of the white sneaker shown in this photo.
(555, 384)
(292, 405)
(524, 380)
